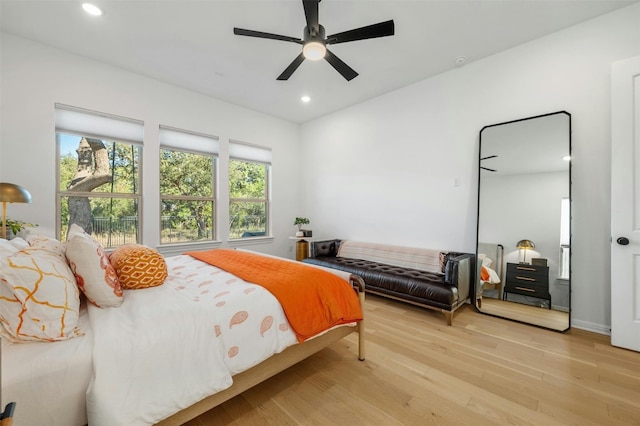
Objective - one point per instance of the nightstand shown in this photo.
(302, 247)
(527, 280)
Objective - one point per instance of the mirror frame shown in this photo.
(569, 177)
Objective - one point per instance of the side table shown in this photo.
(302, 247)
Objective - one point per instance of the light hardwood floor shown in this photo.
(553, 319)
(481, 371)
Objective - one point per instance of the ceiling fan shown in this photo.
(314, 43)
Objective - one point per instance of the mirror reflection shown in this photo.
(524, 221)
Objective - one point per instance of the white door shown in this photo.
(625, 204)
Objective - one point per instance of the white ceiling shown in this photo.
(191, 43)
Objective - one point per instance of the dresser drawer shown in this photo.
(527, 280)
(527, 290)
(530, 273)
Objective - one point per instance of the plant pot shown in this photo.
(9, 233)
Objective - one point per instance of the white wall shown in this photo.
(386, 170)
(35, 77)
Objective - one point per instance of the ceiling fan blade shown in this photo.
(344, 69)
(488, 169)
(491, 156)
(381, 29)
(311, 13)
(260, 34)
(291, 68)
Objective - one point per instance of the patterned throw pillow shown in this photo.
(94, 274)
(44, 244)
(39, 299)
(138, 266)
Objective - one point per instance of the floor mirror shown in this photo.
(524, 221)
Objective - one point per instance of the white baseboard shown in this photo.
(590, 326)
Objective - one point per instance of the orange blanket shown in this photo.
(312, 299)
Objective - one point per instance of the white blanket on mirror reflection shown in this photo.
(168, 347)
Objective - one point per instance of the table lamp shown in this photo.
(525, 244)
(11, 193)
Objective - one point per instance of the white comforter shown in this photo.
(168, 347)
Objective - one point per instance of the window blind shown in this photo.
(248, 152)
(188, 141)
(95, 124)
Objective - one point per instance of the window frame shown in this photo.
(253, 154)
(60, 194)
(213, 198)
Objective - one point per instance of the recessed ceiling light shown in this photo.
(460, 60)
(306, 99)
(567, 158)
(91, 9)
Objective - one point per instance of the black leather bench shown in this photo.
(444, 290)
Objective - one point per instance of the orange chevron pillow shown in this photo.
(138, 266)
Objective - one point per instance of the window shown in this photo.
(187, 186)
(98, 175)
(249, 170)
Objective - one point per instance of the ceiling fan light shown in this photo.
(92, 9)
(314, 50)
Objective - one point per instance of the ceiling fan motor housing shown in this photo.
(314, 34)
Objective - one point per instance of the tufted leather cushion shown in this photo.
(413, 284)
(326, 248)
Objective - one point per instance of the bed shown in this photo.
(490, 271)
(169, 352)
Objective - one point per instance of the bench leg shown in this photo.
(449, 316)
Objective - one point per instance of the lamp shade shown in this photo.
(525, 244)
(12, 193)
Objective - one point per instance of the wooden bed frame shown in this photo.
(275, 364)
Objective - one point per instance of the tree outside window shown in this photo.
(99, 188)
(248, 199)
(187, 196)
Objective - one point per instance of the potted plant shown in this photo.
(12, 227)
(300, 221)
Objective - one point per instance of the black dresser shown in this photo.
(527, 280)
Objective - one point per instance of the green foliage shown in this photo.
(247, 180)
(247, 197)
(186, 175)
(301, 221)
(16, 225)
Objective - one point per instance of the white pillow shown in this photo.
(6, 248)
(19, 243)
(46, 244)
(39, 299)
(94, 274)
